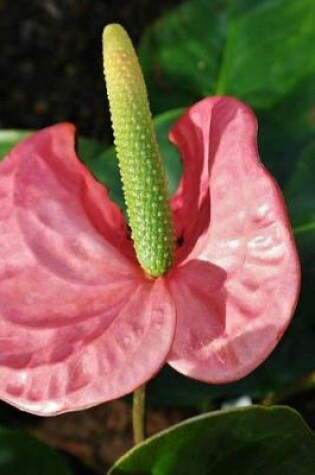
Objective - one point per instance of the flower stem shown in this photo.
(138, 415)
(307, 383)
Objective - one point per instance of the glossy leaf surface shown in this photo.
(213, 47)
(274, 73)
(243, 442)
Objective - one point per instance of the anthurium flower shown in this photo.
(82, 323)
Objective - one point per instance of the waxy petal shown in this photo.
(236, 285)
(190, 204)
(79, 322)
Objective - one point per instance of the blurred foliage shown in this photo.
(10, 138)
(21, 454)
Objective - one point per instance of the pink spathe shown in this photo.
(80, 322)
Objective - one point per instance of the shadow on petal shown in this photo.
(198, 135)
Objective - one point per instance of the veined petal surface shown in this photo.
(236, 283)
(79, 322)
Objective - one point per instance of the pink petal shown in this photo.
(190, 204)
(79, 323)
(236, 287)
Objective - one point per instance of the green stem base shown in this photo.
(138, 415)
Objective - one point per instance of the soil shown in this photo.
(105, 431)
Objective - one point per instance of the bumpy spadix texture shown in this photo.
(80, 323)
(140, 164)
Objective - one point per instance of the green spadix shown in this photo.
(140, 164)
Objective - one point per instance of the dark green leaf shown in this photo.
(257, 51)
(260, 52)
(170, 154)
(249, 441)
(21, 454)
(287, 129)
(181, 54)
(268, 50)
(89, 149)
(300, 195)
(105, 168)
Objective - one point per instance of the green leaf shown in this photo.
(262, 57)
(21, 454)
(181, 53)
(260, 52)
(300, 195)
(105, 167)
(249, 441)
(287, 129)
(89, 149)
(171, 157)
(257, 51)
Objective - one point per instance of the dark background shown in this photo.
(51, 59)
